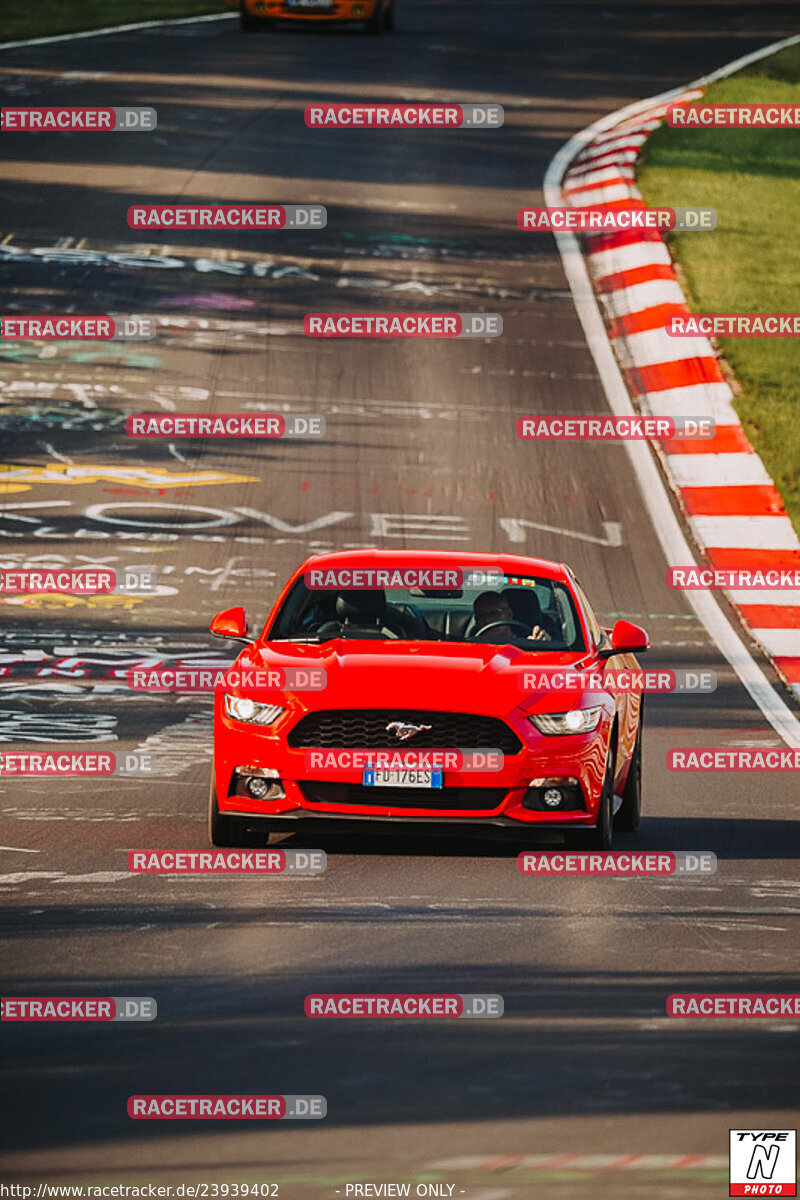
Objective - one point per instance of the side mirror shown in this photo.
(627, 638)
(232, 623)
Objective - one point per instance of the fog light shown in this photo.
(258, 788)
(358, 10)
(557, 792)
(260, 783)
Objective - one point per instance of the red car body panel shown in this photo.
(341, 11)
(447, 677)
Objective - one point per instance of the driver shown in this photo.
(491, 607)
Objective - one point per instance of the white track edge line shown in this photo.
(656, 499)
(105, 30)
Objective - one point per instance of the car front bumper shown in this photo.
(581, 757)
(340, 10)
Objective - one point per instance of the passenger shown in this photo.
(526, 608)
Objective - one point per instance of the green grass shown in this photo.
(750, 263)
(41, 18)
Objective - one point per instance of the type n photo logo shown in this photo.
(763, 1162)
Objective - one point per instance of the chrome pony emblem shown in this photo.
(403, 732)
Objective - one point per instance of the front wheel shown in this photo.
(629, 812)
(248, 23)
(600, 837)
(379, 21)
(225, 831)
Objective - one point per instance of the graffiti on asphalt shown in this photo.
(19, 479)
(56, 727)
(31, 664)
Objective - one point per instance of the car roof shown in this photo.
(509, 564)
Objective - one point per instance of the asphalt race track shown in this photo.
(421, 451)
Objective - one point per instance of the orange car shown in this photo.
(377, 15)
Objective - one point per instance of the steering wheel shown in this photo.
(492, 624)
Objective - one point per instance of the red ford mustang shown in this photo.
(403, 687)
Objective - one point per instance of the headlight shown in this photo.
(243, 709)
(578, 720)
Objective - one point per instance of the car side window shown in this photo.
(595, 629)
(569, 631)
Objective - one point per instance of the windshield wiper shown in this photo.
(314, 638)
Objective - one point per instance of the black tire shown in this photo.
(248, 23)
(629, 812)
(223, 830)
(389, 26)
(377, 22)
(601, 835)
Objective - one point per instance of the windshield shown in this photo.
(531, 613)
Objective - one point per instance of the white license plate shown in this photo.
(404, 779)
(310, 3)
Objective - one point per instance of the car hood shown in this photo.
(454, 677)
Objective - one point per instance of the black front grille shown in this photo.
(365, 729)
(329, 9)
(441, 799)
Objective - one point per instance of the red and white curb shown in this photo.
(732, 506)
(583, 1162)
